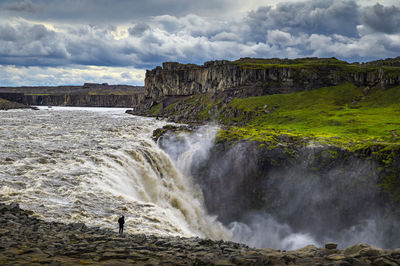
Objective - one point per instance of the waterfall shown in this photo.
(92, 165)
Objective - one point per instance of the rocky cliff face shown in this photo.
(317, 190)
(84, 100)
(252, 79)
(90, 94)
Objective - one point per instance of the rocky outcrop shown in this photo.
(253, 79)
(28, 240)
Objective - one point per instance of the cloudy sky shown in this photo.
(55, 42)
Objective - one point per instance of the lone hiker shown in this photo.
(121, 222)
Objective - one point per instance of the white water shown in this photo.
(92, 165)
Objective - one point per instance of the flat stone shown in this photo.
(371, 252)
(330, 245)
(335, 257)
(396, 252)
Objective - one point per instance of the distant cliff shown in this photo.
(253, 77)
(106, 100)
(90, 94)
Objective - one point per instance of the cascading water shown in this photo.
(92, 165)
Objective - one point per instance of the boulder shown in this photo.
(330, 245)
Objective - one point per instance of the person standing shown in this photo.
(121, 222)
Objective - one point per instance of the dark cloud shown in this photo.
(382, 19)
(106, 11)
(33, 43)
(318, 17)
(24, 6)
(314, 28)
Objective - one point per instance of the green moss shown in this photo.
(155, 110)
(341, 115)
(37, 94)
(304, 66)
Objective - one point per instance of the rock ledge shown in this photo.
(24, 239)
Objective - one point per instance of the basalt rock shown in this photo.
(285, 76)
(90, 95)
(60, 244)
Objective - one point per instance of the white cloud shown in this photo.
(277, 37)
(327, 28)
(71, 75)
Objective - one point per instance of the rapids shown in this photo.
(93, 165)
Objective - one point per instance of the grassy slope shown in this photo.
(317, 64)
(344, 114)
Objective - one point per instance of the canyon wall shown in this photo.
(90, 95)
(84, 100)
(252, 78)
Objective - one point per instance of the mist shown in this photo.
(270, 199)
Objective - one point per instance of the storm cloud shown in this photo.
(77, 34)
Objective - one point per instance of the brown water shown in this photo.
(92, 165)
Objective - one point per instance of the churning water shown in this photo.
(92, 165)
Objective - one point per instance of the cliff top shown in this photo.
(307, 62)
(87, 88)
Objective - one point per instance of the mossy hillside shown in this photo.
(362, 121)
(343, 113)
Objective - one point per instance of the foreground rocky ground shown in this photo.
(24, 239)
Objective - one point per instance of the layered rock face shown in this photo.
(84, 100)
(90, 94)
(174, 79)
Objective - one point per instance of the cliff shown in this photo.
(253, 77)
(84, 100)
(90, 94)
(306, 141)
